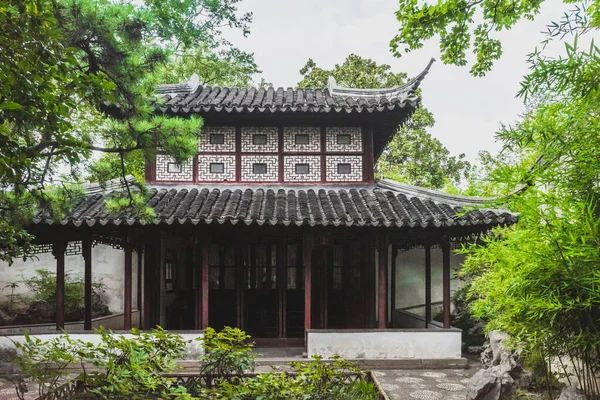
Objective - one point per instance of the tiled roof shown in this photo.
(342, 206)
(191, 97)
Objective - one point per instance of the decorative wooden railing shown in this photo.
(194, 381)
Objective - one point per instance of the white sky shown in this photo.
(468, 110)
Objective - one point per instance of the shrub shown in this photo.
(43, 287)
(141, 367)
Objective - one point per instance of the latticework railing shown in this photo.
(194, 382)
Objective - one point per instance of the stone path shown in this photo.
(448, 384)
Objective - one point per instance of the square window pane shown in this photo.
(259, 139)
(229, 278)
(217, 168)
(338, 256)
(259, 168)
(291, 278)
(337, 278)
(213, 255)
(302, 169)
(213, 278)
(343, 168)
(302, 139)
(292, 255)
(173, 168)
(217, 138)
(343, 139)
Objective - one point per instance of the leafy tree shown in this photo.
(413, 155)
(230, 67)
(538, 280)
(77, 77)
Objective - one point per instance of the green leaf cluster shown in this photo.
(142, 366)
(78, 79)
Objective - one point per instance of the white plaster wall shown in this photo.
(382, 345)
(410, 277)
(193, 349)
(107, 266)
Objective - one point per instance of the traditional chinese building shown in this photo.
(277, 225)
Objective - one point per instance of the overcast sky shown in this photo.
(468, 110)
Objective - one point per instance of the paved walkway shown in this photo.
(448, 384)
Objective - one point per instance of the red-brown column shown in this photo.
(59, 253)
(204, 283)
(393, 280)
(127, 286)
(140, 282)
(427, 285)
(307, 247)
(87, 277)
(446, 281)
(383, 282)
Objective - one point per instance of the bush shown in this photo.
(141, 367)
(43, 287)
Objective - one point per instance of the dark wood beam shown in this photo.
(307, 248)
(427, 285)
(383, 281)
(87, 277)
(393, 280)
(446, 280)
(204, 282)
(127, 286)
(58, 249)
(140, 281)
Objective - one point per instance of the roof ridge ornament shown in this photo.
(404, 90)
(186, 87)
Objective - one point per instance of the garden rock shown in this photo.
(571, 393)
(38, 311)
(490, 384)
(475, 350)
(502, 373)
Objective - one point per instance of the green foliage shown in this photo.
(413, 156)
(126, 367)
(315, 380)
(134, 367)
(226, 352)
(461, 25)
(78, 77)
(538, 280)
(140, 367)
(42, 286)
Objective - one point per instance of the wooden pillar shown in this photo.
(446, 280)
(307, 248)
(149, 277)
(204, 282)
(87, 277)
(324, 285)
(197, 284)
(239, 284)
(58, 249)
(427, 285)
(140, 255)
(282, 283)
(393, 280)
(383, 281)
(127, 285)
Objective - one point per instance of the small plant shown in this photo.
(12, 296)
(43, 287)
